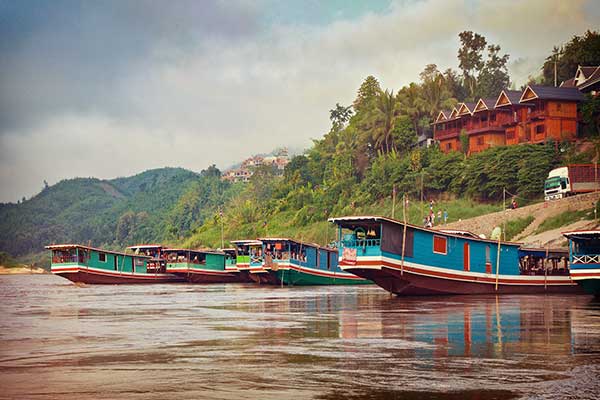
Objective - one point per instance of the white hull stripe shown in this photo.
(377, 262)
(98, 271)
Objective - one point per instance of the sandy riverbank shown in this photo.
(21, 270)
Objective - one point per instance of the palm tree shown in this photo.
(386, 112)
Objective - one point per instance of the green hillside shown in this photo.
(114, 213)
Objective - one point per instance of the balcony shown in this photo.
(586, 259)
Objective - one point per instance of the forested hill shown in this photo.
(156, 205)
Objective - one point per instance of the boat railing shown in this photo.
(586, 259)
(361, 243)
(68, 259)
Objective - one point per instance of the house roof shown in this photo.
(485, 104)
(533, 92)
(507, 98)
(588, 71)
(594, 78)
(466, 108)
(442, 116)
(568, 83)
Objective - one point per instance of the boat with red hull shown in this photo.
(85, 264)
(408, 260)
(584, 257)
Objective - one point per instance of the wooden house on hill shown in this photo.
(533, 115)
(554, 115)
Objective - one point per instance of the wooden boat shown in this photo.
(249, 261)
(409, 260)
(584, 258)
(86, 264)
(200, 266)
(294, 263)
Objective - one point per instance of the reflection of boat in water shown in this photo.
(469, 326)
(86, 264)
(200, 266)
(408, 260)
(295, 263)
(584, 256)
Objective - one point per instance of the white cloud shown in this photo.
(219, 101)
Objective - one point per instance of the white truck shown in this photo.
(570, 180)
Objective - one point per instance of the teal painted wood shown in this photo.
(291, 277)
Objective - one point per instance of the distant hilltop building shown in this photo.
(242, 174)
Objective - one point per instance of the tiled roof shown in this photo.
(588, 71)
(594, 78)
(513, 95)
(568, 83)
(557, 93)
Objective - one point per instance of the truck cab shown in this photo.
(557, 184)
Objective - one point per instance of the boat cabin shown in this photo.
(184, 259)
(584, 259)
(543, 262)
(248, 253)
(157, 262)
(78, 255)
(299, 253)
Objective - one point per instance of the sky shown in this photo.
(112, 88)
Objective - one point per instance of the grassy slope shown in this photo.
(322, 232)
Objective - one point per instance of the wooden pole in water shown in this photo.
(498, 262)
(404, 233)
(504, 212)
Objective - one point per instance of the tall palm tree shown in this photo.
(386, 112)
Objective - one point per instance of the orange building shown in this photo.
(534, 115)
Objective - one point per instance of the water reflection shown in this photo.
(244, 341)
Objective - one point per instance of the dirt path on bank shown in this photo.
(540, 211)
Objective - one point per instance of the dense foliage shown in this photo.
(155, 205)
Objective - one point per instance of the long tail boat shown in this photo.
(409, 260)
(584, 257)
(200, 266)
(85, 264)
(295, 263)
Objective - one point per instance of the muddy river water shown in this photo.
(183, 341)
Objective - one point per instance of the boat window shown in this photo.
(440, 245)
(102, 257)
(115, 262)
(132, 264)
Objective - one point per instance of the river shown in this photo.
(184, 341)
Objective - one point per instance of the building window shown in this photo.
(510, 135)
(539, 129)
(558, 106)
(102, 257)
(440, 245)
(480, 141)
(493, 117)
(448, 146)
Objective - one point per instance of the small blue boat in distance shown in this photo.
(584, 259)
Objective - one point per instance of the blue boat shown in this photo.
(584, 258)
(406, 259)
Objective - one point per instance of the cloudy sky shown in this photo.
(111, 88)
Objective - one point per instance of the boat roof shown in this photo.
(247, 242)
(459, 232)
(73, 245)
(146, 246)
(582, 235)
(542, 252)
(375, 219)
(207, 251)
(295, 241)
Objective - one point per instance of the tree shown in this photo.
(339, 116)
(493, 77)
(470, 58)
(404, 134)
(385, 117)
(434, 90)
(412, 104)
(590, 113)
(580, 50)
(367, 94)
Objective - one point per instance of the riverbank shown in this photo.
(21, 270)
